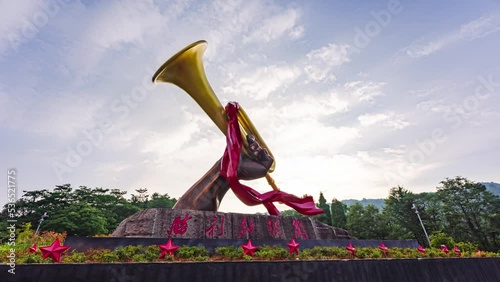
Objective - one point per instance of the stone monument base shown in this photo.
(191, 224)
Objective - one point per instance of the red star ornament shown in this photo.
(32, 249)
(382, 247)
(293, 246)
(54, 251)
(249, 249)
(445, 249)
(168, 248)
(351, 249)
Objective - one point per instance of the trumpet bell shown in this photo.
(185, 69)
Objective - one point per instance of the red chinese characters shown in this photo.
(245, 228)
(273, 228)
(299, 230)
(179, 226)
(216, 227)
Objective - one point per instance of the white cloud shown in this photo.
(261, 82)
(321, 62)
(313, 107)
(170, 142)
(475, 29)
(313, 138)
(123, 22)
(17, 25)
(365, 91)
(397, 166)
(276, 26)
(433, 106)
(230, 25)
(346, 176)
(114, 26)
(388, 119)
(296, 129)
(57, 115)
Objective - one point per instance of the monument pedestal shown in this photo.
(192, 224)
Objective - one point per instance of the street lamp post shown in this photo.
(421, 223)
(44, 216)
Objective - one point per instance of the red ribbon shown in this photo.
(250, 197)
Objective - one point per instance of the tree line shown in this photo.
(461, 209)
(82, 211)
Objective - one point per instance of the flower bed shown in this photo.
(152, 253)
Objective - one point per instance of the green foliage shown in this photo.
(33, 258)
(472, 214)
(326, 216)
(229, 252)
(247, 257)
(160, 201)
(139, 258)
(202, 258)
(366, 222)
(324, 253)
(467, 247)
(266, 252)
(293, 213)
(83, 211)
(102, 255)
(401, 218)
(379, 203)
(78, 219)
(151, 252)
(440, 238)
(191, 251)
(74, 257)
(128, 252)
(187, 253)
(339, 214)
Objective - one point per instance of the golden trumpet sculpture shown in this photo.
(185, 69)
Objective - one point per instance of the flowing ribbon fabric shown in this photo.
(249, 196)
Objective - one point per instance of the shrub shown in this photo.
(139, 258)
(75, 257)
(126, 253)
(467, 247)
(152, 252)
(191, 252)
(202, 258)
(324, 253)
(229, 252)
(265, 252)
(102, 255)
(439, 238)
(365, 252)
(271, 253)
(32, 258)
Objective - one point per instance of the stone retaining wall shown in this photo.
(386, 270)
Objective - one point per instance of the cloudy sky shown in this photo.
(351, 98)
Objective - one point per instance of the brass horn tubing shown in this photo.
(178, 70)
